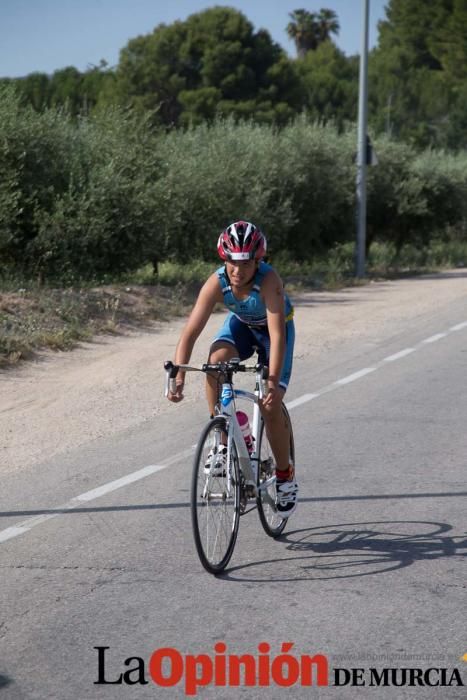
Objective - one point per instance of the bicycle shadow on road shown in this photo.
(350, 550)
(4, 681)
(186, 504)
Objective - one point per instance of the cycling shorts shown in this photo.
(247, 339)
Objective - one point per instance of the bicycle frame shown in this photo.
(220, 491)
(248, 463)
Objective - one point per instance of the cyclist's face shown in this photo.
(241, 271)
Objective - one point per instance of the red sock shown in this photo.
(285, 475)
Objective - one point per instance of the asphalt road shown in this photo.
(370, 571)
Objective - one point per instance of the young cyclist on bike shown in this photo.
(261, 317)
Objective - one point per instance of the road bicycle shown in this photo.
(220, 495)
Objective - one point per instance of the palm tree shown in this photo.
(328, 24)
(303, 29)
(310, 29)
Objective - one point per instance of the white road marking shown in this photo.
(434, 338)
(399, 355)
(356, 375)
(27, 525)
(301, 399)
(11, 532)
(119, 483)
(21, 528)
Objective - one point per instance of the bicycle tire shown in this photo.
(215, 513)
(272, 522)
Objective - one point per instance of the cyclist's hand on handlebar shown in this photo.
(178, 395)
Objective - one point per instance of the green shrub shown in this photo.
(443, 193)
(92, 197)
(35, 153)
(412, 197)
(295, 183)
(76, 199)
(104, 221)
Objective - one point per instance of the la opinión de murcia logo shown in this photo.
(168, 667)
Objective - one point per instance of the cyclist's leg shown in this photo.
(234, 339)
(220, 352)
(278, 432)
(277, 424)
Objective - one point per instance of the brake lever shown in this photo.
(171, 372)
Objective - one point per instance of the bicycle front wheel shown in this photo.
(215, 498)
(271, 520)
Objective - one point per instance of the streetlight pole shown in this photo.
(362, 145)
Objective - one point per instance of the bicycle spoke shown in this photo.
(215, 500)
(272, 522)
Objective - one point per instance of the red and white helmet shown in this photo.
(241, 241)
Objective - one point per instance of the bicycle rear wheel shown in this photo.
(215, 499)
(272, 521)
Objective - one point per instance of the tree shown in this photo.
(77, 92)
(35, 90)
(212, 63)
(97, 87)
(449, 44)
(414, 28)
(329, 83)
(418, 73)
(310, 29)
(65, 89)
(327, 24)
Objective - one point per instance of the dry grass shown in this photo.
(59, 318)
(41, 317)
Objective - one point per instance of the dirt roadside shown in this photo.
(63, 400)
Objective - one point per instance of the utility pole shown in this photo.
(362, 145)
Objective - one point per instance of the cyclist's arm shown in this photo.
(209, 295)
(272, 291)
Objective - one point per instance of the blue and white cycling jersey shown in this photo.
(251, 310)
(246, 328)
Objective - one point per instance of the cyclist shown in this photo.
(260, 318)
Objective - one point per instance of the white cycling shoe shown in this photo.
(286, 496)
(216, 462)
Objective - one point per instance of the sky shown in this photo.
(46, 35)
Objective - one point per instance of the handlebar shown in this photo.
(228, 368)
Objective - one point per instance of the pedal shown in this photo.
(266, 467)
(250, 491)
